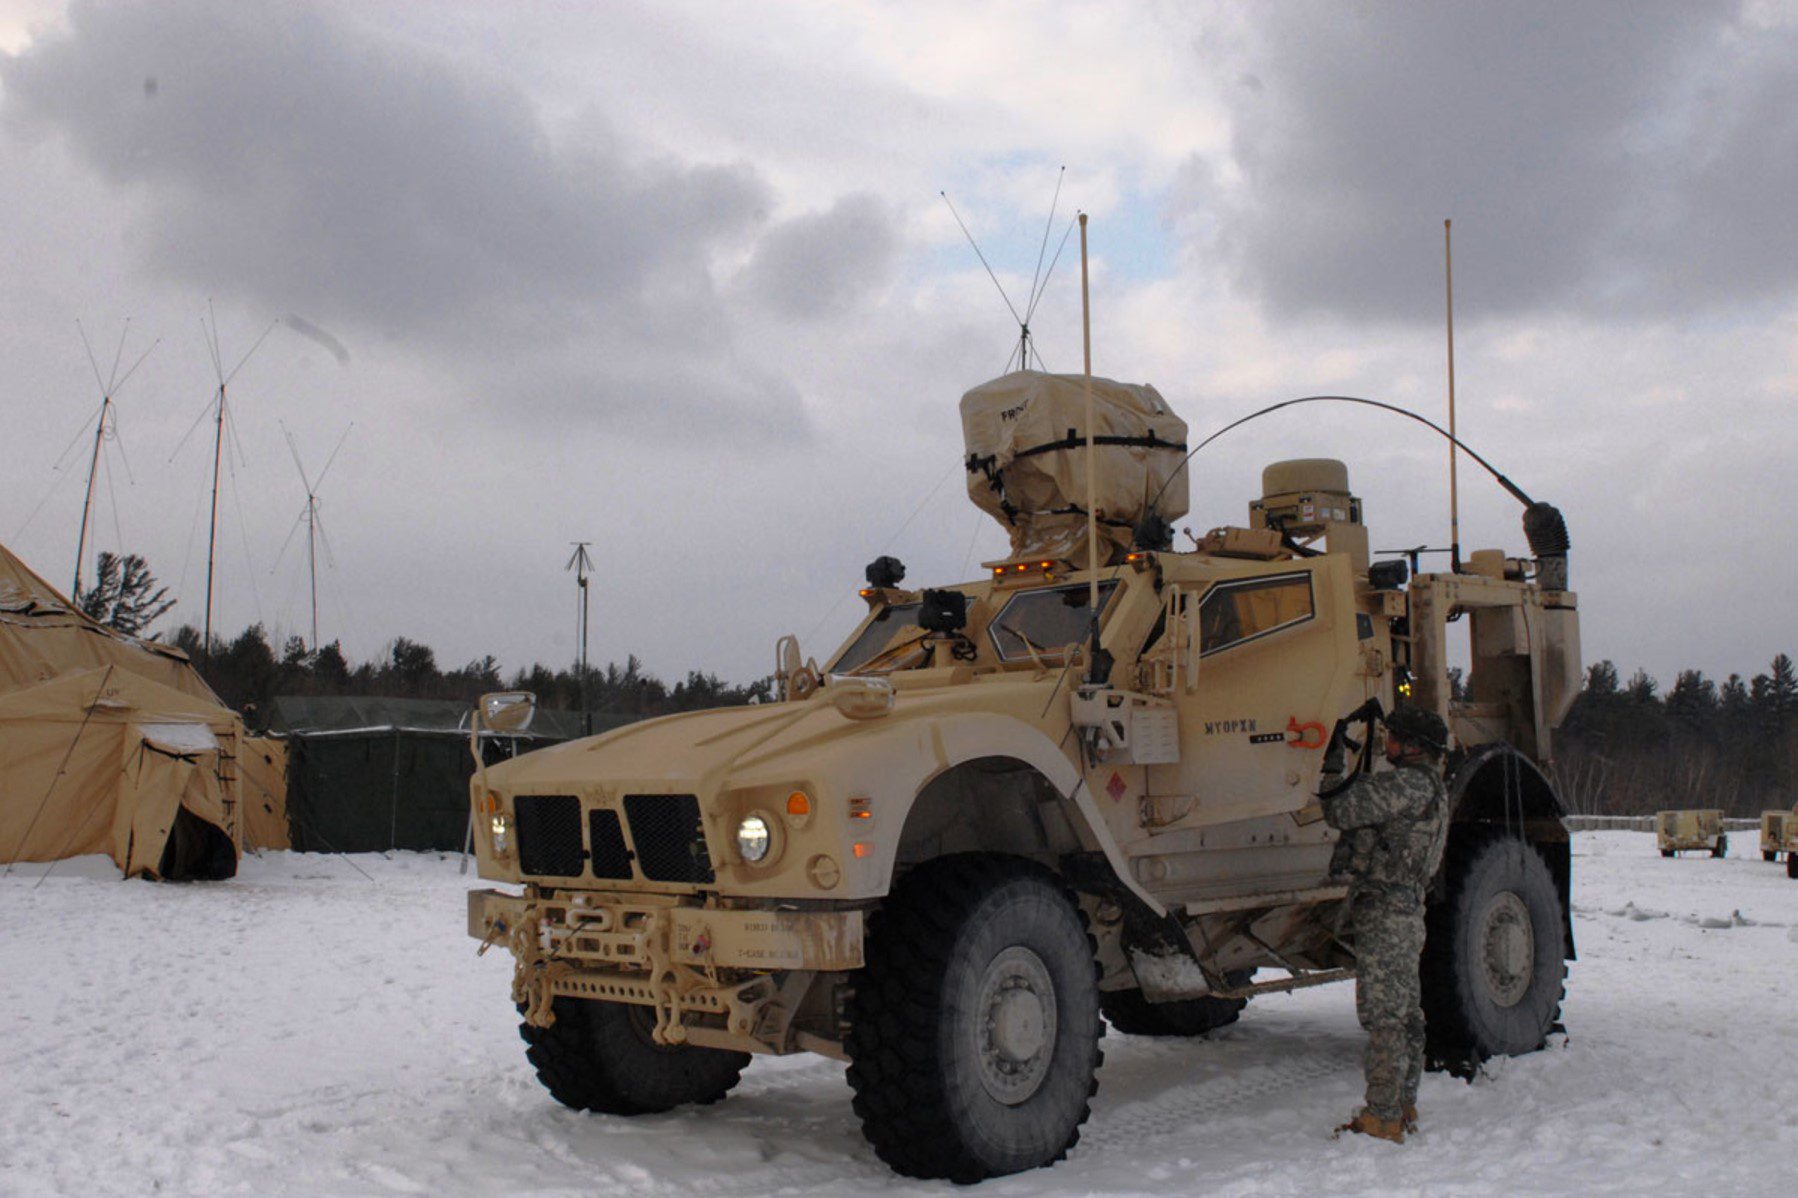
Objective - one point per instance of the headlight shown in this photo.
(501, 834)
(753, 838)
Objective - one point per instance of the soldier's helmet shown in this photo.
(1421, 728)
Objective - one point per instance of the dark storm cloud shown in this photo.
(1593, 156)
(288, 158)
(823, 261)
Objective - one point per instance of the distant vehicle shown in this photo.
(1693, 831)
(1773, 833)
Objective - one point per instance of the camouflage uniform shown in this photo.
(1394, 825)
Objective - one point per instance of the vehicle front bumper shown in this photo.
(715, 976)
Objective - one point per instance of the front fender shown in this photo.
(893, 767)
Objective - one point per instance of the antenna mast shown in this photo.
(581, 562)
(108, 389)
(218, 453)
(1454, 497)
(315, 529)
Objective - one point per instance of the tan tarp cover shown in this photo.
(262, 771)
(1025, 435)
(104, 738)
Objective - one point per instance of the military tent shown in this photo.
(109, 743)
(373, 774)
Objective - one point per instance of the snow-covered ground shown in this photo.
(321, 1026)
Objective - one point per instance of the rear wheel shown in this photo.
(1495, 958)
(1128, 1011)
(975, 1022)
(601, 1056)
(1721, 848)
(1791, 865)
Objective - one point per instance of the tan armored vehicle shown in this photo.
(1698, 831)
(965, 835)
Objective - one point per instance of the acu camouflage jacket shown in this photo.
(1394, 826)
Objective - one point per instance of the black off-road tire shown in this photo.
(600, 1056)
(1792, 865)
(1721, 848)
(1666, 852)
(1769, 855)
(1494, 963)
(952, 1077)
(1127, 1011)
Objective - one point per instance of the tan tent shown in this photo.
(109, 744)
(262, 765)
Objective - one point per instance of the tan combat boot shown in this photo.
(1366, 1123)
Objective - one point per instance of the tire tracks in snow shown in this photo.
(1136, 1122)
(1129, 1124)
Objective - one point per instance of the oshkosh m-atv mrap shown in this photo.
(990, 820)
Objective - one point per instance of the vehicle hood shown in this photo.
(703, 750)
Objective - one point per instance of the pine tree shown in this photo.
(125, 595)
(1782, 691)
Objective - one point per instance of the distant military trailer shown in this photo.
(1778, 828)
(1006, 812)
(1691, 832)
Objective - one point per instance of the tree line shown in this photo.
(247, 674)
(1628, 749)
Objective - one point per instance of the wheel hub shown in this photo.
(1507, 949)
(1018, 1023)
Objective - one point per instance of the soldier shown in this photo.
(1394, 825)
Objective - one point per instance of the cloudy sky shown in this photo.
(676, 278)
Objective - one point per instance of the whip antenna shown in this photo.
(1454, 498)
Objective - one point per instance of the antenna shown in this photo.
(1093, 675)
(1039, 280)
(218, 451)
(581, 562)
(315, 529)
(1454, 498)
(109, 389)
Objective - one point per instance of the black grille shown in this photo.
(670, 842)
(549, 835)
(610, 858)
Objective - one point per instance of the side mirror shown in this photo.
(507, 711)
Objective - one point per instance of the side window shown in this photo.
(1234, 612)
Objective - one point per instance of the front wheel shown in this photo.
(601, 1056)
(974, 1036)
(1495, 958)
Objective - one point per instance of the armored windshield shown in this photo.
(1046, 621)
(888, 623)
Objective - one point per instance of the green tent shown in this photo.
(368, 775)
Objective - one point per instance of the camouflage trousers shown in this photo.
(1389, 935)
